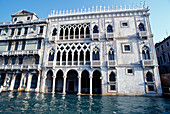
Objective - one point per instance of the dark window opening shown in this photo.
(162, 47)
(23, 45)
(12, 31)
(34, 81)
(150, 87)
(127, 47)
(71, 33)
(129, 71)
(81, 56)
(95, 29)
(51, 55)
(55, 32)
(9, 46)
(6, 60)
(28, 18)
(111, 54)
(66, 33)
(15, 19)
(37, 59)
(26, 30)
(64, 56)
(87, 55)
(13, 61)
(16, 46)
(75, 56)
(58, 56)
(41, 29)
(112, 87)
(141, 27)
(19, 31)
(87, 32)
(112, 77)
(39, 44)
(96, 55)
(109, 28)
(20, 61)
(164, 57)
(167, 43)
(124, 24)
(70, 56)
(149, 77)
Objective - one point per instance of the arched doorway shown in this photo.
(72, 82)
(17, 81)
(49, 81)
(59, 81)
(85, 82)
(34, 81)
(96, 82)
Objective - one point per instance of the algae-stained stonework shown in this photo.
(108, 51)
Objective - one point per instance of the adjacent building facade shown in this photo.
(89, 51)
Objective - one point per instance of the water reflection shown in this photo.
(45, 103)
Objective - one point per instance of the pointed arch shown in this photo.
(85, 82)
(59, 81)
(141, 27)
(87, 55)
(96, 55)
(77, 32)
(71, 33)
(54, 32)
(34, 81)
(49, 81)
(87, 32)
(61, 33)
(82, 32)
(51, 54)
(95, 29)
(66, 33)
(149, 77)
(111, 54)
(109, 28)
(112, 77)
(145, 53)
(96, 82)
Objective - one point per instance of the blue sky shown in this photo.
(159, 9)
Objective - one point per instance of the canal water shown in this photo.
(20, 102)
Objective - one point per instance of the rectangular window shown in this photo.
(41, 29)
(12, 31)
(124, 24)
(16, 45)
(9, 46)
(6, 61)
(150, 87)
(26, 30)
(167, 43)
(13, 61)
(19, 31)
(162, 47)
(23, 45)
(129, 71)
(112, 87)
(36, 59)
(127, 47)
(0, 31)
(39, 44)
(164, 57)
(20, 61)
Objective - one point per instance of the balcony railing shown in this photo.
(95, 36)
(143, 34)
(147, 63)
(110, 63)
(95, 63)
(50, 63)
(19, 52)
(24, 36)
(23, 66)
(110, 35)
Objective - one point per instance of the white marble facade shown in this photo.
(108, 51)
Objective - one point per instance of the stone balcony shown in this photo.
(68, 63)
(14, 37)
(20, 67)
(110, 36)
(147, 63)
(19, 52)
(111, 63)
(95, 63)
(143, 34)
(95, 36)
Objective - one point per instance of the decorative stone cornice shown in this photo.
(94, 12)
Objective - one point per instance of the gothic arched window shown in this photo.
(109, 28)
(111, 54)
(149, 77)
(112, 77)
(141, 27)
(95, 29)
(145, 53)
(54, 32)
(96, 54)
(51, 55)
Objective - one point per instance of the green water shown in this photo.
(11, 102)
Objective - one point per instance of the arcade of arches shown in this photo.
(73, 82)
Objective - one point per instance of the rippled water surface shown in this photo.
(11, 102)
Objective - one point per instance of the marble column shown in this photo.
(43, 84)
(53, 88)
(38, 83)
(21, 81)
(12, 82)
(64, 85)
(79, 85)
(91, 78)
(29, 82)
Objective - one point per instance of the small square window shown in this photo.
(124, 24)
(129, 71)
(112, 87)
(150, 88)
(127, 47)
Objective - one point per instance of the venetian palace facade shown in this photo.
(98, 50)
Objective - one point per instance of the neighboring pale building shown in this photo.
(21, 51)
(99, 51)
